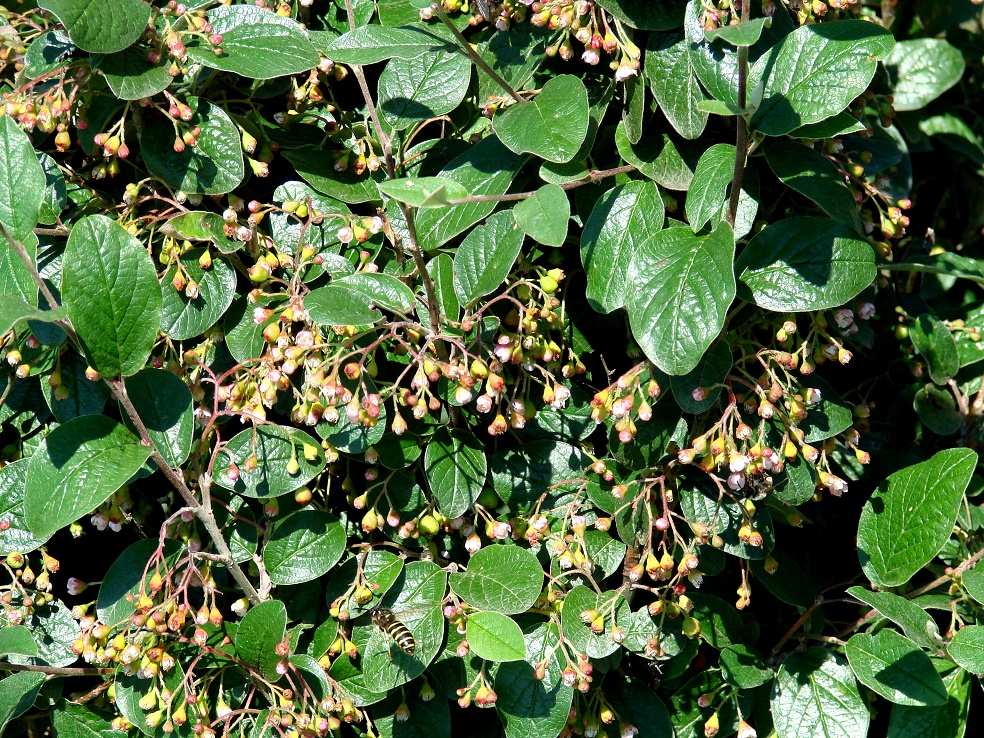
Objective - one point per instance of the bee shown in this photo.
(384, 619)
(758, 485)
(483, 8)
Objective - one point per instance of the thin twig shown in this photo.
(741, 143)
(68, 671)
(593, 176)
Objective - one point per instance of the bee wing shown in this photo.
(483, 8)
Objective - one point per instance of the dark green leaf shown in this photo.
(707, 377)
(743, 34)
(815, 696)
(18, 537)
(183, 317)
(948, 721)
(657, 158)
(967, 648)
(101, 26)
(125, 578)
(671, 76)
(372, 44)
(274, 447)
(609, 605)
(646, 15)
(303, 546)
(934, 342)
(456, 468)
(430, 85)
(17, 639)
(424, 192)
(17, 695)
(500, 578)
(521, 475)
(130, 76)
(259, 632)
(552, 125)
(744, 667)
(894, 667)
(815, 176)
(22, 181)
(495, 637)
(384, 290)
(339, 305)
(486, 256)
(937, 410)
(709, 186)
(922, 70)
(13, 310)
(545, 216)
(915, 623)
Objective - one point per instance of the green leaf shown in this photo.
(22, 182)
(318, 169)
(954, 132)
(744, 667)
(372, 44)
(428, 717)
(973, 582)
(259, 632)
(680, 286)
(815, 176)
(339, 305)
(905, 523)
(414, 90)
(101, 26)
(724, 516)
(383, 289)
(915, 623)
(815, 696)
(716, 107)
(13, 310)
(214, 165)
(274, 447)
(894, 667)
(657, 158)
(714, 173)
(130, 76)
(833, 127)
(76, 467)
(424, 192)
(545, 216)
(789, 582)
(646, 15)
(610, 604)
(621, 225)
(488, 168)
(15, 278)
(500, 578)
(17, 694)
(522, 475)
(164, 404)
(921, 70)
(55, 197)
(708, 376)
(805, 263)
(947, 721)
(303, 546)
(456, 468)
(495, 637)
(79, 721)
(967, 648)
(937, 410)
(716, 66)
(441, 269)
(531, 707)
(18, 537)
(17, 639)
(256, 44)
(110, 289)
(839, 58)
(636, 705)
(183, 317)
(486, 256)
(671, 76)
(933, 341)
(828, 417)
(125, 578)
(54, 632)
(552, 125)
(380, 569)
(720, 623)
(743, 34)
(203, 226)
(353, 437)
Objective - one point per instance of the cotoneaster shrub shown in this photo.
(523, 368)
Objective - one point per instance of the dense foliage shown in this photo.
(372, 362)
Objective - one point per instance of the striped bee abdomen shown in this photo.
(386, 621)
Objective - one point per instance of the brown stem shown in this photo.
(68, 671)
(593, 176)
(796, 626)
(472, 54)
(741, 144)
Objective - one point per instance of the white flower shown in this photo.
(843, 318)
(866, 311)
(590, 56)
(75, 586)
(624, 72)
(736, 481)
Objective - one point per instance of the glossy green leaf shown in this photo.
(946, 721)
(55, 197)
(815, 176)
(714, 173)
(724, 517)
(905, 523)
(340, 305)
(804, 263)
(13, 310)
(441, 269)
(743, 34)
(76, 467)
(78, 721)
(495, 637)
(130, 76)
(214, 165)
(414, 90)
(101, 26)
(500, 578)
(837, 125)
(921, 70)
(384, 290)
(657, 158)
(934, 342)
(183, 317)
(428, 717)
(486, 256)
(203, 226)
(22, 181)
(707, 379)
(716, 65)
(545, 216)
(937, 409)
(838, 57)
(353, 437)
(815, 696)
(639, 707)
(424, 192)
(674, 83)
(915, 623)
(256, 43)
(894, 667)
(720, 623)
(522, 475)
(125, 578)
(18, 537)
(54, 631)
(303, 546)
(274, 448)
(17, 639)
(259, 632)
(967, 648)
(621, 224)
(552, 125)
(744, 667)
(372, 44)
(317, 167)
(455, 466)
(380, 569)
(646, 15)
(609, 604)
(164, 404)
(488, 168)
(15, 278)
(973, 581)
(17, 694)
(680, 287)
